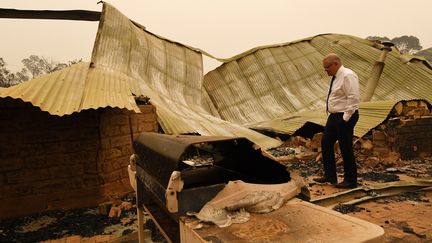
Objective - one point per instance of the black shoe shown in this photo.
(346, 185)
(324, 180)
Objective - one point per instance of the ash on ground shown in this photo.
(84, 222)
(347, 208)
(306, 168)
(380, 177)
(407, 196)
(281, 151)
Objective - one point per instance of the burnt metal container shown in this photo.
(205, 164)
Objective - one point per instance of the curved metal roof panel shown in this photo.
(268, 83)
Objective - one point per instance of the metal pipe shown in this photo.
(376, 72)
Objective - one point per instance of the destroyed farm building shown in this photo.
(93, 107)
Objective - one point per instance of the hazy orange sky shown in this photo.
(223, 28)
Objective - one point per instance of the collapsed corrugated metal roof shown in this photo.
(372, 114)
(279, 87)
(76, 88)
(274, 81)
(127, 60)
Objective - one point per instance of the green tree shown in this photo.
(385, 38)
(37, 66)
(407, 44)
(33, 65)
(7, 78)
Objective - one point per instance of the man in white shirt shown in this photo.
(342, 107)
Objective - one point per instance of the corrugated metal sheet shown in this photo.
(268, 83)
(74, 89)
(128, 61)
(278, 86)
(372, 114)
(169, 73)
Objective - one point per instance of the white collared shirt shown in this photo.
(345, 93)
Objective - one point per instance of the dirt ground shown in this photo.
(405, 218)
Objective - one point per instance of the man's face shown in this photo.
(330, 67)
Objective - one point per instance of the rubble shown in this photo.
(380, 154)
(347, 208)
(85, 223)
(379, 177)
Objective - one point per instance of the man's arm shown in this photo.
(352, 91)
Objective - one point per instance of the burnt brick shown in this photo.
(54, 159)
(121, 140)
(75, 183)
(146, 127)
(90, 181)
(32, 149)
(27, 175)
(106, 166)
(110, 153)
(407, 152)
(424, 121)
(110, 131)
(112, 176)
(382, 151)
(149, 117)
(125, 130)
(126, 151)
(121, 119)
(49, 158)
(147, 108)
(50, 186)
(53, 148)
(9, 150)
(78, 157)
(10, 164)
(90, 167)
(35, 162)
(16, 190)
(105, 143)
(90, 145)
(378, 136)
(125, 173)
(379, 143)
(66, 171)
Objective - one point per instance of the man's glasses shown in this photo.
(328, 66)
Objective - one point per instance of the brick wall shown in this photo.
(411, 138)
(50, 162)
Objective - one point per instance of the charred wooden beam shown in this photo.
(83, 15)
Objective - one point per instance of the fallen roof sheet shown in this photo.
(128, 61)
(76, 88)
(278, 86)
(275, 81)
(371, 113)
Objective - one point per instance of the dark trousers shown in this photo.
(337, 129)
